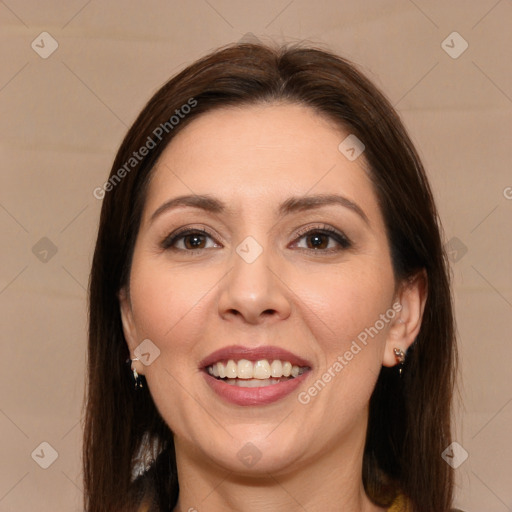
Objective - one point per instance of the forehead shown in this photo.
(253, 155)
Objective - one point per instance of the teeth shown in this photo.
(231, 370)
(260, 370)
(276, 368)
(245, 369)
(252, 383)
(287, 369)
(221, 370)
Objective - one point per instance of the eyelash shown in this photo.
(338, 236)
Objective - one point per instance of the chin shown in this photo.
(257, 456)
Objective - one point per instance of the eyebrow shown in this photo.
(289, 206)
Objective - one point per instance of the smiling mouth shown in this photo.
(253, 374)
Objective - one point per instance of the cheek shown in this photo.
(170, 308)
(348, 314)
(342, 303)
(166, 300)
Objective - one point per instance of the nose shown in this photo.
(253, 290)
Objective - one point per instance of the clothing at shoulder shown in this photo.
(400, 504)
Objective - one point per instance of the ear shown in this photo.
(412, 296)
(129, 330)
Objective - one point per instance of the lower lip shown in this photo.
(254, 396)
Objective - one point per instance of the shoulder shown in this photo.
(402, 504)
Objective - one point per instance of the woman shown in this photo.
(270, 310)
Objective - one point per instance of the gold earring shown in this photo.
(400, 358)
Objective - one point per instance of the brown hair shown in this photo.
(409, 420)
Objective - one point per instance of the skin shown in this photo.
(306, 300)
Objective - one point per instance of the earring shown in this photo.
(136, 378)
(400, 358)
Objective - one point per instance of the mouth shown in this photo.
(260, 373)
(253, 376)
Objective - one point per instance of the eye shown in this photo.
(193, 240)
(319, 237)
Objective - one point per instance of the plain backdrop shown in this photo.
(73, 77)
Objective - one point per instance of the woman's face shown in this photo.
(265, 278)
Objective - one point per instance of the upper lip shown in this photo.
(237, 352)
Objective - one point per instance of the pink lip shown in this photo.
(237, 352)
(253, 396)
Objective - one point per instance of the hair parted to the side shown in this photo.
(409, 421)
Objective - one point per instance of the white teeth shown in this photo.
(276, 368)
(252, 383)
(231, 369)
(221, 370)
(245, 369)
(260, 370)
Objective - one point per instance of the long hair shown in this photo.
(409, 417)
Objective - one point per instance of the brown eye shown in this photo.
(193, 240)
(318, 239)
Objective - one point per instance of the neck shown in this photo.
(332, 481)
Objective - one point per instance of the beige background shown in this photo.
(63, 117)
